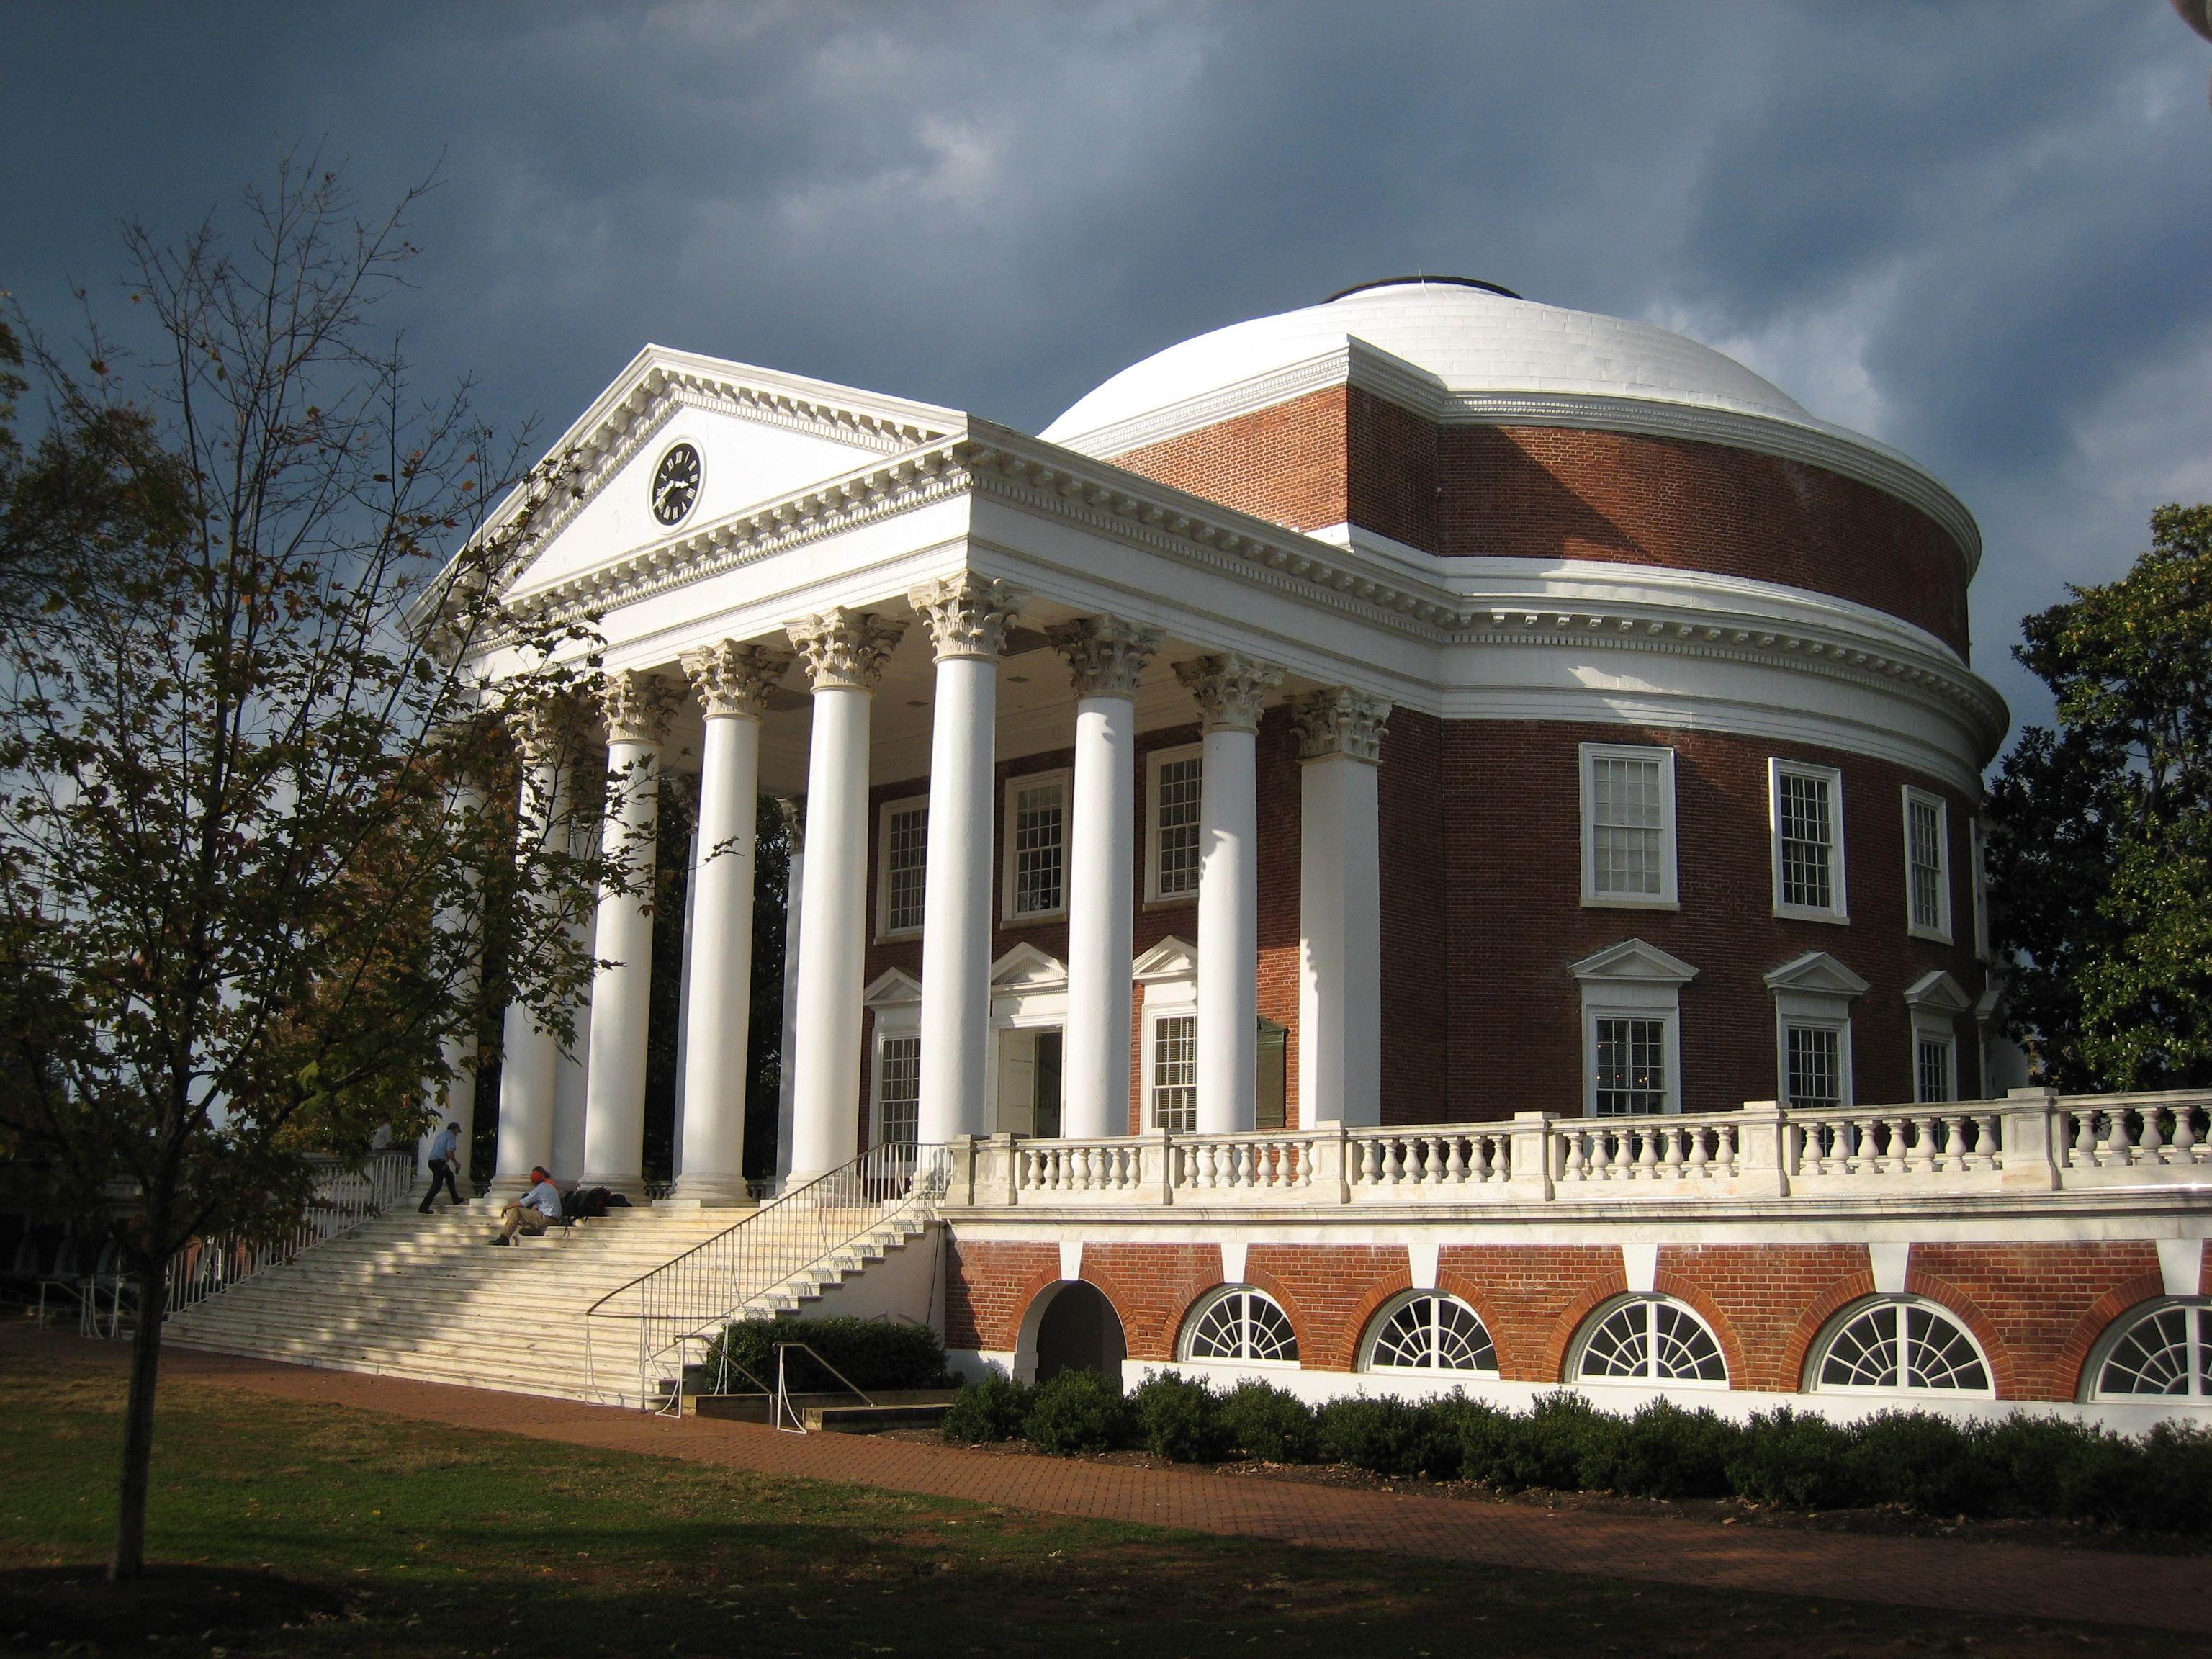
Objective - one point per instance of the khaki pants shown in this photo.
(520, 1218)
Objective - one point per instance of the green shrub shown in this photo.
(1920, 1460)
(2173, 1488)
(873, 1353)
(1444, 1437)
(1270, 1423)
(1078, 1412)
(1564, 1444)
(1180, 1419)
(2049, 1465)
(1666, 1452)
(991, 1410)
(1486, 1436)
(1794, 1459)
(1386, 1435)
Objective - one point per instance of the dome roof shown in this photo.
(1474, 338)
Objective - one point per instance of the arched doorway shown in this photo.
(1079, 1331)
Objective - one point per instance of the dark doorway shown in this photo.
(1080, 1332)
(1047, 1118)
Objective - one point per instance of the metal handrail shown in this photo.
(680, 1306)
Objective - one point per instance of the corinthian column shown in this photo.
(1230, 689)
(1106, 657)
(967, 616)
(844, 653)
(1339, 907)
(530, 1052)
(732, 680)
(637, 708)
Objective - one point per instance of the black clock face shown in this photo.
(676, 483)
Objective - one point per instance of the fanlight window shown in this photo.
(1431, 1333)
(2164, 1353)
(1650, 1340)
(1905, 1344)
(1240, 1323)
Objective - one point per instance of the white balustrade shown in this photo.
(1670, 1150)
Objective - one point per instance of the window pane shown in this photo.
(1807, 841)
(1924, 856)
(1040, 848)
(1174, 1073)
(1625, 833)
(1816, 1072)
(1632, 1066)
(901, 1089)
(1175, 854)
(1932, 1075)
(906, 865)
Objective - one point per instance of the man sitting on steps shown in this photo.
(537, 1210)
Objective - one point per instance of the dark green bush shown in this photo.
(1078, 1412)
(2174, 1483)
(1564, 1444)
(1486, 1436)
(1443, 1434)
(1386, 1435)
(992, 1409)
(2048, 1465)
(873, 1353)
(1920, 1460)
(1666, 1452)
(1793, 1458)
(1270, 1423)
(1180, 1419)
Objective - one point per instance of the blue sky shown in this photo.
(1981, 232)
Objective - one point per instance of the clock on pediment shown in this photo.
(676, 483)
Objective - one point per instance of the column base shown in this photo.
(505, 1189)
(631, 1186)
(717, 1192)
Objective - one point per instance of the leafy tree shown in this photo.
(255, 813)
(2100, 836)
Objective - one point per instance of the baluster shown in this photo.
(1369, 1173)
(2085, 1139)
(2154, 1136)
(1455, 1169)
(2118, 1144)
(1601, 1156)
(1674, 1158)
(2185, 1133)
(1433, 1161)
(1922, 1156)
(1700, 1158)
(1647, 1152)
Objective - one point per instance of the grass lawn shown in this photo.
(291, 1528)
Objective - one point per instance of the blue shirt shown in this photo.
(442, 1149)
(545, 1198)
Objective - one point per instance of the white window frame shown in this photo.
(1815, 991)
(2198, 1311)
(1010, 887)
(1153, 1018)
(1154, 762)
(1632, 980)
(1897, 1306)
(1948, 1043)
(1839, 908)
(894, 1000)
(1806, 1019)
(1668, 897)
(884, 929)
(1941, 932)
(1933, 1003)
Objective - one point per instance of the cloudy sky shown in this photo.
(1982, 232)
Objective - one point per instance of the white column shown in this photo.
(459, 1049)
(1339, 907)
(732, 680)
(529, 1052)
(794, 831)
(967, 616)
(1106, 657)
(1230, 689)
(637, 706)
(572, 1065)
(844, 654)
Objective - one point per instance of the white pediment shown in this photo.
(1819, 974)
(890, 988)
(1939, 993)
(1025, 967)
(1171, 958)
(1633, 960)
(761, 435)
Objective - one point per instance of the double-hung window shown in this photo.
(1174, 1072)
(1631, 1030)
(1926, 868)
(1632, 1066)
(902, 866)
(1628, 826)
(898, 1090)
(1171, 863)
(1813, 998)
(1806, 807)
(1815, 1059)
(1036, 847)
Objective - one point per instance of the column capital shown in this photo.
(967, 615)
(793, 810)
(844, 649)
(1229, 688)
(1106, 656)
(1339, 721)
(544, 731)
(734, 678)
(637, 706)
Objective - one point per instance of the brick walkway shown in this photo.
(2173, 1593)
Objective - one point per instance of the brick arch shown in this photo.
(1151, 1288)
(1026, 1298)
(1692, 1294)
(1562, 1335)
(1451, 1283)
(2109, 1308)
(1353, 1331)
(1302, 1319)
(1797, 1351)
(1968, 1312)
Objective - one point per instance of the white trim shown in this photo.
(894, 997)
(1814, 993)
(1371, 1338)
(1154, 762)
(1579, 1348)
(1065, 777)
(1668, 897)
(2100, 1353)
(1817, 1360)
(884, 929)
(1941, 932)
(1633, 981)
(1934, 1003)
(1838, 909)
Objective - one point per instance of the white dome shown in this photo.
(1473, 339)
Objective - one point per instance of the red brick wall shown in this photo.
(1329, 1291)
(1559, 493)
(2036, 1308)
(1772, 1299)
(1152, 1287)
(1532, 1298)
(989, 1286)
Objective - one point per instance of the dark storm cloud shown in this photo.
(1977, 230)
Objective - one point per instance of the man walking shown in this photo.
(444, 1153)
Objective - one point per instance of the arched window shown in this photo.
(1241, 1323)
(1647, 1339)
(1429, 1332)
(2162, 1351)
(1902, 1343)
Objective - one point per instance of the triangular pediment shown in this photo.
(760, 436)
(1939, 991)
(1171, 958)
(1025, 967)
(1817, 972)
(1633, 959)
(891, 987)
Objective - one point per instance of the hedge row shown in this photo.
(2022, 1465)
(871, 1353)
